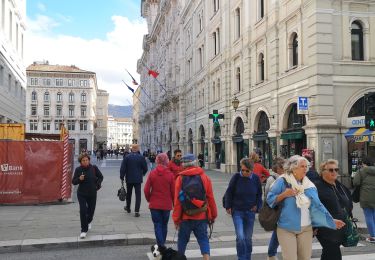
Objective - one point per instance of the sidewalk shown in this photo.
(40, 227)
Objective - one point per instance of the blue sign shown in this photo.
(303, 105)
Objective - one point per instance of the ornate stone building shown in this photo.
(12, 68)
(253, 61)
(120, 133)
(101, 119)
(59, 94)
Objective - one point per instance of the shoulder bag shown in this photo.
(121, 193)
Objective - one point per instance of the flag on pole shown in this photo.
(63, 132)
(130, 88)
(133, 79)
(153, 73)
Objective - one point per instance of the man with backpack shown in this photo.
(194, 205)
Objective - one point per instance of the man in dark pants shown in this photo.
(133, 168)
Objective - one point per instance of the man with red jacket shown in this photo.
(197, 223)
(175, 164)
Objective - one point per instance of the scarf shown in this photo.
(301, 199)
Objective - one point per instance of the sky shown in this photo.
(103, 36)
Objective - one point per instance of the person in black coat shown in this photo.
(133, 168)
(337, 199)
(89, 179)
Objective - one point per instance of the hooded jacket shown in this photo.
(365, 178)
(159, 188)
(178, 214)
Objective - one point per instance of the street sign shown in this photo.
(303, 106)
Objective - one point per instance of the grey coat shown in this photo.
(365, 178)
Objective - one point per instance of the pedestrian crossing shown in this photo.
(231, 251)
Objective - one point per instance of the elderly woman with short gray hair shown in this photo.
(301, 210)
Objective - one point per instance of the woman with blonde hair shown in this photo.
(301, 210)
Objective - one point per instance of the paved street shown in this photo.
(48, 229)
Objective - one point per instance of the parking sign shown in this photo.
(303, 105)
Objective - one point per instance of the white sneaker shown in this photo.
(90, 226)
(83, 235)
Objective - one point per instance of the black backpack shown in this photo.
(192, 194)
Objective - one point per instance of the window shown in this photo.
(33, 96)
(261, 67)
(33, 125)
(83, 125)
(33, 81)
(1, 75)
(48, 82)
(83, 83)
(83, 111)
(100, 123)
(238, 23)
(46, 96)
(3, 14)
(71, 125)
(17, 32)
(46, 125)
(46, 110)
(200, 22)
(59, 82)
(213, 91)
(357, 41)
(33, 110)
(218, 89)
(216, 4)
(200, 57)
(261, 8)
(58, 124)
(70, 82)
(59, 110)
(214, 38)
(293, 50)
(71, 111)
(83, 97)
(71, 97)
(59, 97)
(10, 26)
(238, 79)
(9, 82)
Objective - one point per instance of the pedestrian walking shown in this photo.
(301, 210)
(243, 199)
(259, 169)
(194, 205)
(133, 168)
(88, 178)
(175, 164)
(201, 160)
(337, 200)
(159, 193)
(278, 170)
(152, 158)
(365, 179)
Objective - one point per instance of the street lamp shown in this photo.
(235, 103)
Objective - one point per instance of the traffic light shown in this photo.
(216, 116)
(370, 111)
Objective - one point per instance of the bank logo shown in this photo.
(4, 167)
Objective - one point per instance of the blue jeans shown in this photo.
(160, 219)
(243, 221)
(273, 245)
(199, 228)
(370, 220)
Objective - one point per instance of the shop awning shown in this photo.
(292, 135)
(237, 138)
(260, 136)
(360, 135)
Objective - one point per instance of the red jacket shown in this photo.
(262, 172)
(175, 168)
(159, 188)
(178, 214)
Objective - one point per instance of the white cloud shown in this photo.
(42, 23)
(108, 58)
(41, 7)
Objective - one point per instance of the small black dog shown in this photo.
(163, 253)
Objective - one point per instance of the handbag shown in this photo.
(268, 217)
(121, 193)
(351, 232)
(356, 194)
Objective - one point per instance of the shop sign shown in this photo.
(303, 106)
(358, 121)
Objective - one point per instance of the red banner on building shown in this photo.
(31, 171)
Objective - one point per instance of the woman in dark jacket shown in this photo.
(159, 192)
(337, 199)
(243, 199)
(89, 179)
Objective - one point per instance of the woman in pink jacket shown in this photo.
(159, 192)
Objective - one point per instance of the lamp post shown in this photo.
(235, 103)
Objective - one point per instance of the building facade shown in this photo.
(136, 107)
(12, 68)
(58, 95)
(120, 133)
(256, 62)
(101, 124)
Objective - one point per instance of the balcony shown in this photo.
(34, 101)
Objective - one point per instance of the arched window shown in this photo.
(46, 96)
(59, 97)
(71, 97)
(83, 97)
(264, 123)
(261, 8)
(238, 79)
(261, 67)
(357, 41)
(34, 96)
(238, 23)
(295, 50)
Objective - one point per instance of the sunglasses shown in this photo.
(333, 170)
